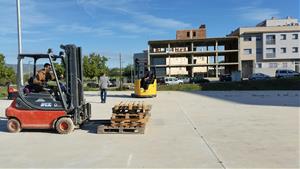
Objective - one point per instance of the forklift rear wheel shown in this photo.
(64, 125)
(13, 126)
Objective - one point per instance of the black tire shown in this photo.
(13, 126)
(64, 125)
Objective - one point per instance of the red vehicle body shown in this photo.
(34, 119)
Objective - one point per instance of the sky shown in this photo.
(111, 27)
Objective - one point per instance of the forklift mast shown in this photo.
(74, 84)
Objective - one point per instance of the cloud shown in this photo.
(30, 14)
(131, 8)
(81, 29)
(161, 22)
(257, 13)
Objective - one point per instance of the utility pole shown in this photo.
(121, 74)
(19, 38)
(131, 72)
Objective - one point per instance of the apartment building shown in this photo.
(270, 45)
(207, 57)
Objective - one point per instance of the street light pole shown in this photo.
(19, 38)
(121, 74)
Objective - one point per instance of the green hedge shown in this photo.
(3, 92)
(181, 87)
(274, 84)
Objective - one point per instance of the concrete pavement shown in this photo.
(186, 130)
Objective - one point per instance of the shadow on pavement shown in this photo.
(263, 98)
(92, 125)
(3, 122)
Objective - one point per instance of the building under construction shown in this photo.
(191, 54)
(207, 57)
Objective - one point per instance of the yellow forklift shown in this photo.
(146, 86)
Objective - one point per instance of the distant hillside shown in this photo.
(26, 67)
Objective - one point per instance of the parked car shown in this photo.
(185, 79)
(172, 81)
(284, 73)
(12, 91)
(199, 79)
(225, 78)
(259, 76)
(160, 80)
(93, 85)
(112, 83)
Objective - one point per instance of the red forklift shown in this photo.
(64, 108)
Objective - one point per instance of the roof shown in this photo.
(38, 55)
(193, 40)
(267, 29)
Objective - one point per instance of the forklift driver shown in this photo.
(145, 80)
(42, 77)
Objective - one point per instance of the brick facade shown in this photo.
(191, 34)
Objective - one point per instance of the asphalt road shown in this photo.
(186, 130)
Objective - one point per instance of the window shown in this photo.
(258, 65)
(258, 50)
(247, 51)
(273, 65)
(283, 71)
(271, 52)
(247, 38)
(284, 65)
(295, 36)
(258, 38)
(295, 50)
(188, 34)
(270, 40)
(194, 34)
(283, 37)
(283, 50)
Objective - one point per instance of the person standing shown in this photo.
(103, 87)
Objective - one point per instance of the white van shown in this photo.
(284, 73)
(172, 81)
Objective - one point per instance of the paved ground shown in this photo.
(186, 130)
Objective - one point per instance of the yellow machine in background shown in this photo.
(141, 92)
(146, 86)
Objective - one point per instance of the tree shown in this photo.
(94, 65)
(114, 72)
(7, 74)
(127, 70)
(59, 68)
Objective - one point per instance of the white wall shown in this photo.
(266, 69)
(289, 43)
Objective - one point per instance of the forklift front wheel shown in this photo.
(13, 126)
(64, 125)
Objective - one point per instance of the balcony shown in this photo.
(270, 42)
(270, 55)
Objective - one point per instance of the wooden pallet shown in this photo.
(120, 130)
(131, 107)
(143, 118)
(127, 118)
(128, 124)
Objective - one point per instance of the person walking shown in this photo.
(103, 87)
